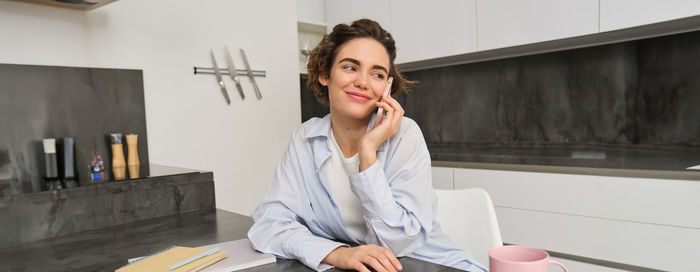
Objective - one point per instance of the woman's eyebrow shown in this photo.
(354, 61)
(379, 67)
(357, 62)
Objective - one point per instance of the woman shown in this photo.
(342, 181)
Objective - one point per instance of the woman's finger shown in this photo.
(397, 110)
(389, 114)
(374, 263)
(392, 258)
(384, 106)
(390, 107)
(361, 267)
(384, 260)
(394, 103)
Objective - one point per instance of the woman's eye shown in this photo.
(349, 68)
(379, 75)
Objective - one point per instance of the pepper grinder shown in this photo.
(133, 155)
(118, 163)
(66, 160)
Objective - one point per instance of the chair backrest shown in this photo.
(467, 216)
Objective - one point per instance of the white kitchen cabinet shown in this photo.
(644, 222)
(617, 198)
(646, 245)
(504, 23)
(618, 14)
(581, 267)
(432, 29)
(348, 11)
(442, 177)
(311, 11)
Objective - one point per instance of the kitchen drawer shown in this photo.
(442, 177)
(654, 201)
(646, 245)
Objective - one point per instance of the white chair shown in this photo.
(467, 216)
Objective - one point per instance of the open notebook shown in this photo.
(241, 255)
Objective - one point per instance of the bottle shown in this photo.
(97, 168)
(118, 163)
(133, 155)
(67, 163)
(52, 180)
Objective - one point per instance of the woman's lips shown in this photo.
(358, 97)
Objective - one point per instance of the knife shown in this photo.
(219, 79)
(250, 74)
(232, 72)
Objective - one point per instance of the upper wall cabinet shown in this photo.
(349, 11)
(618, 14)
(432, 29)
(438, 33)
(79, 5)
(503, 23)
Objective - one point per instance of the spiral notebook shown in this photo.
(164, 259)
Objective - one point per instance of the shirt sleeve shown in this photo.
(398, 200)
(278, 229)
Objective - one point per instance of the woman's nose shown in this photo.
(361, 81)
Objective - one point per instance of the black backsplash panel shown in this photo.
(310, 107)
(87, 104)
(632, 104)
(643, 92)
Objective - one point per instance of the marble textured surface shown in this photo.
(108, 249)
(657, 158)
(310, 107)
(37, 216)
(634, 93)
(55, 102)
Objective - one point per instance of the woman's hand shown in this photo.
(381, 259)
(377, 135)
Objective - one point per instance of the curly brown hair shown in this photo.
(322, 57)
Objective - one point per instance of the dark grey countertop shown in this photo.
(108, 249)
(42, 215)
(648, 162)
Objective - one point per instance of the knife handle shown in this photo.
(257, 91)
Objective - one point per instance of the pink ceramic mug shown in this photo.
(520, 259)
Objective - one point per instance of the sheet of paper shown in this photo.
(241, 255)
(697, 167)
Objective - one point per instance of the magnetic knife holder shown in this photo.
(224, 71)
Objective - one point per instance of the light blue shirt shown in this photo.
(298, 219)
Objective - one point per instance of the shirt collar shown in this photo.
(322, 129)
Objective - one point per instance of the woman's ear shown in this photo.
(323, 79)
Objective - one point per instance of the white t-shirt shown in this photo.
(339, 170)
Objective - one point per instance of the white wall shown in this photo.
(189, 125)
(311, 11)
(34, 34)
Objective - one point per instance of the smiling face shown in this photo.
(358, 77)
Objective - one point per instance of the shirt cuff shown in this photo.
(373, 190)
(313, 255)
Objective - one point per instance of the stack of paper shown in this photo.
(241, 256)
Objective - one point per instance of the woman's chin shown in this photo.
(358, 113)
